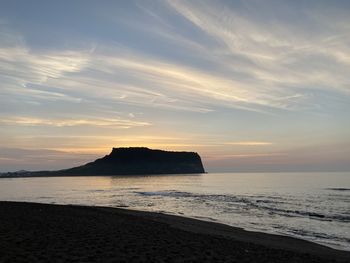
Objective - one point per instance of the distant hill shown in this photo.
(131, 161)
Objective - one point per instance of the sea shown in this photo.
(310, 206)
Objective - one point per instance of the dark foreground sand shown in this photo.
(31, 232)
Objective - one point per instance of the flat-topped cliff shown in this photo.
(140, 160)
(129, 161)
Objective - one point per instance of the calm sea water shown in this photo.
(312, 206)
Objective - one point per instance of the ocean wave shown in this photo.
(338, 189)
(319, 235)
(268, 204)
(310, 214)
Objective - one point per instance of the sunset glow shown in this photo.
(251, 85)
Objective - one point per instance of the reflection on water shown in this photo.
(313, 206)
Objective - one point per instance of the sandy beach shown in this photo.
(31, 232)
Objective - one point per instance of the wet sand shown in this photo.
(31, 232)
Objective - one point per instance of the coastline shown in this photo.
(46, 232)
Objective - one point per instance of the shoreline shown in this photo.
(80, 232)
(93, 175)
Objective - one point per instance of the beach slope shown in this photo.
(31, 232)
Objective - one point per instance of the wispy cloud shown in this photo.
(239, 156)
(278, 55)
(249, 143)
(114, 123)
(20, 68)
(138, 79)
(232, 78)
(259, 64)
(19, 64)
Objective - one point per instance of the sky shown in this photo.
(252, 86)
